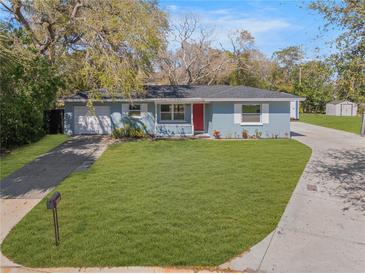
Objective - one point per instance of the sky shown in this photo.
(275, 24)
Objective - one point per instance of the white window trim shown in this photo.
(140, 111)
(172, 115)
(252, 123)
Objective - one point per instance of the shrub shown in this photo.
(129, 132)
(245, 134)
(258, 134)
(133, 128)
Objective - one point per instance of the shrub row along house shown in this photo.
(168, 111)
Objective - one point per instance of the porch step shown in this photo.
(201, 136)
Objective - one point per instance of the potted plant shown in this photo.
(245, 134)
(217, 134)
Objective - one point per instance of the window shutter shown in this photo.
(125, 109)
(265, 113)
(237, 113)
(144, 110)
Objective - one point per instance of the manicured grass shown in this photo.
(346, 123)
(164, 203)
(25, 154)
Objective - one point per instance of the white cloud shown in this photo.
(171, 7)
(225, 21)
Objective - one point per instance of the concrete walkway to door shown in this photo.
(323, 226)
(27, 186)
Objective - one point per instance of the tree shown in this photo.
(287, 60)
(349, 61)
(194, 61)
(242, 43)
(289, 57)
(114, 41)
(315, 84)
(28, 87)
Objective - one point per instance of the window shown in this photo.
(251, 113)
(172, 112)
(166, 114)
(134, 110)
(179, 113)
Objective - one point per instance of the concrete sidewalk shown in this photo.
(27, 186)
(323, 226)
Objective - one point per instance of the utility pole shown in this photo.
(300, 75)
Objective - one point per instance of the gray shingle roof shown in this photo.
(204, 92)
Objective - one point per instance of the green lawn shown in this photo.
(164, 203)
(346, 123)
(25, 154)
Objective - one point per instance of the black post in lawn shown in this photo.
(362, 133)
(52, 204)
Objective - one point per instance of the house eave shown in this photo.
(193, 100)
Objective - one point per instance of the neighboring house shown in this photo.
(186, 111)
(294, 110)
(341, 108)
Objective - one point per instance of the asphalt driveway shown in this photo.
(27, 186)
(36, 179)
(323, 226)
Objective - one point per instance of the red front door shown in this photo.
(198, 117)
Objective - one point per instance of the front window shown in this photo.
(172, 112)
(251, 113)
(166, 113)
(135, 110)
(179, 113)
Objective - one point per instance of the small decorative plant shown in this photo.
(217, 134)
(129, 132)
(245, 134)
(258, 134)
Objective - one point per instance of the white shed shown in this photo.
(341, 108)
(294, 110)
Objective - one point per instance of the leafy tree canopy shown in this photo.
(349, 16)
(103, 44)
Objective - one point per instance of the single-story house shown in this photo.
(186, 111)
(341, 108)
(294, 110)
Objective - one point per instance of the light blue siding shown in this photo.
(222, 114)
(170, 130)
(69, 115)
(217, 115)
(69, 119)
(208, 118)
(174, 128)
